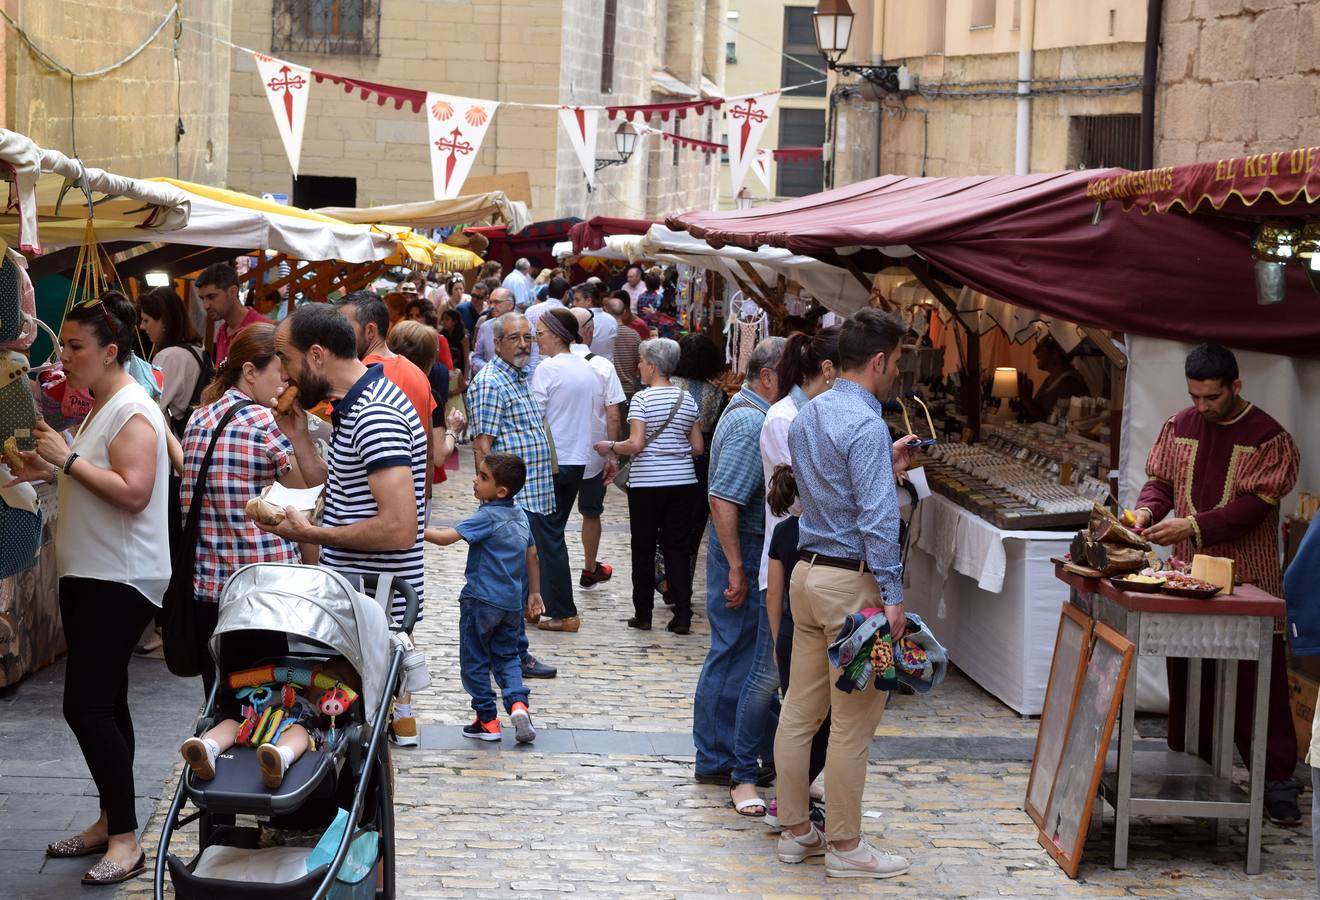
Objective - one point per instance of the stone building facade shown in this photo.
(1237, 78)
(529, 51)
(961, 118)
(123, 121)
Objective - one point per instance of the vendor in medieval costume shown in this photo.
(1220, 467)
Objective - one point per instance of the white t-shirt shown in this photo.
(94, 538)
(569, 391)
(668, 459)
(604, 328)
(774, 452)
(613, 394)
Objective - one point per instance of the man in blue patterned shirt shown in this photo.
(505, 418)
(737, 528)
(845, 466)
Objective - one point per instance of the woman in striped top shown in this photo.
(664, 436)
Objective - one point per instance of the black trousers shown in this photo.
(102, 623)
(696, 528)
(820, 744)
(661, 514)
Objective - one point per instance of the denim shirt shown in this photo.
(843, 464)
(498, 536)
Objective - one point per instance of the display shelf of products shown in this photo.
(1007, 491)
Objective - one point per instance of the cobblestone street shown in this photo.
(603, 804)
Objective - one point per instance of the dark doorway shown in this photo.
(315, 191)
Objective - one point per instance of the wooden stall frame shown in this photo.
(1069, 613)
(1070, 859)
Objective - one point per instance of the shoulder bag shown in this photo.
(183, 646)
(621, 477)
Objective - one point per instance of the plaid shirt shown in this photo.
(500, 404)
(251, 454)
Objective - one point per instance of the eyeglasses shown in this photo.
(518, 338)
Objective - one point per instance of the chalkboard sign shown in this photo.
(1066, 669)
(1081, 764)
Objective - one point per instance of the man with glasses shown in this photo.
(505, 418)
(483, 344)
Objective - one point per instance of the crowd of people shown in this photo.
(560, 390)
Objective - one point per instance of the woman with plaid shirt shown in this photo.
(254, 450)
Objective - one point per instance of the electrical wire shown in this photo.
(779, 50)
(56, 66)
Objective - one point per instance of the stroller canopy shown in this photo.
(314, 604)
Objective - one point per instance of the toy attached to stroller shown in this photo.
(293, 734)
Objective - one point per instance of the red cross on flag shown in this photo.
(286, 87)
(746, 119)
(455, 126)
(761, 169)
(581, 126)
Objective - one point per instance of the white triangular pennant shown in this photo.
(761, 169)
(746, 119)
(455, 128)
(581, 125)
(286, 86)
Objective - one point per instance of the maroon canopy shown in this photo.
(591, 234)
(1029, 240)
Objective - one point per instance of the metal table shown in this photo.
(1238, 626)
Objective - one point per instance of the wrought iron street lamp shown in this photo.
(625, 142)
(834, 22)
(743, 199)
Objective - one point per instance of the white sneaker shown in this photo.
(794, 849)
(864, 861)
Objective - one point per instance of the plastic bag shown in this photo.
(358, 863)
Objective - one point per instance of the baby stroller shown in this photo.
(297, 617)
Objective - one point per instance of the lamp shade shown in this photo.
(625, 140)
(833, 20)
(1006, 383)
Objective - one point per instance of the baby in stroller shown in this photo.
(278, 719)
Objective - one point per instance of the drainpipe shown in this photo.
(1026, 35)
(1149, 76)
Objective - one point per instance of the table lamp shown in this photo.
(1004, 388)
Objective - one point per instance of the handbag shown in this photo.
(179, 637)
(621, 477)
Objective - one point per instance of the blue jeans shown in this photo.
(758, 705)
(732, 649)
(488, 645)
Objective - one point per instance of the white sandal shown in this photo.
(740, 806)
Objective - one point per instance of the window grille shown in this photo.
(344, 27)
(1102, 141)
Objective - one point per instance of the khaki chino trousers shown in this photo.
(821, 597)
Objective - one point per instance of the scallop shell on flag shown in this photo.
(442, 110)
(476, 116)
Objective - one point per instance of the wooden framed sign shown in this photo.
(1066, 670)
(1082, 762)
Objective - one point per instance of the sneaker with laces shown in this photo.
(403, 731)
(521, 718)
(794, 849)
(482, 731)
(864, 861)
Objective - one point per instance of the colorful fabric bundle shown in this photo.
(864, 651)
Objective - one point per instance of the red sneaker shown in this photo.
(524, 733)
(483, 731)
(591, 579)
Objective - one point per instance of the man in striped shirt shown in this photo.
(626, 343)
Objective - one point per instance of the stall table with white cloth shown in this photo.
(990, 595)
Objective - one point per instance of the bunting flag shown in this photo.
(286, 86)
(761, 169)
(581, 125)
(746, 118)
(456, 127)
(664, 110)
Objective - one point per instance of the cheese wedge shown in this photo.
(1217, 570)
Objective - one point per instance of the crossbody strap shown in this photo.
(673, 412)
(193, 522)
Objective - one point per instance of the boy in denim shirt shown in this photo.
(501, 564)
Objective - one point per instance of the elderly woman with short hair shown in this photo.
(664, 436)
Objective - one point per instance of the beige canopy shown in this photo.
(465, 210)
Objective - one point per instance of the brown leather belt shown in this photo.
(820, 559)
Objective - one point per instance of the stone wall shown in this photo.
(1237, 77)
(123, 121)
(944, 136)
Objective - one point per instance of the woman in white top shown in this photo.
(177, 349)
(664, 434)
(113, 561)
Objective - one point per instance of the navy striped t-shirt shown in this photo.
(375, 427)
